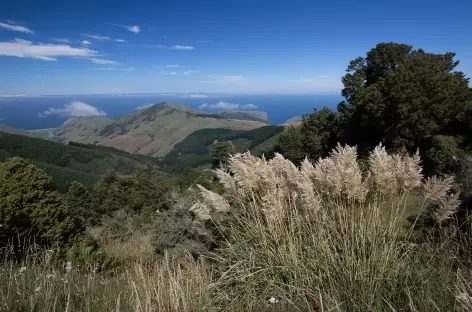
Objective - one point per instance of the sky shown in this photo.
(106, 47)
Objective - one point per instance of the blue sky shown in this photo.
(87, 47)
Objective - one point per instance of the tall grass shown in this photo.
(165, 285)
(329, 236)
(332, 236)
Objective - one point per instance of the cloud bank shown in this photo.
(74, 109)
(13, 27)
(195, 96)
(46, 52)
(102, 38)
(133, 28)
(103, 61)
(221, 105)
(176, 47)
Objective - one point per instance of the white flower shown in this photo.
(68, 266)
(22, 269)
(273, 300)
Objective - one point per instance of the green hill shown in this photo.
(195, 149)
(150, 131)
(69, 162)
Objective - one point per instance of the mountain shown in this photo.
(8, 129)
(195, 149)
(244, 115)
(149, 131)
(70, 162)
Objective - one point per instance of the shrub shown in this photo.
(30, 209)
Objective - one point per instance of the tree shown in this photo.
(290, 145)
(79, 201)
(30, 208)
(401, 97)
(220, 153)
(314, 138)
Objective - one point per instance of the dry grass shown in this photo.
(165, 285)
(322, 237)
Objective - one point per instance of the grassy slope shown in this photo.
(152, 131)
(195, 149)
(67, 163)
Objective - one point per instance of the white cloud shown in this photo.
(133, 28)
(248, 106)
(172, 65)
(103, 68)
(176, 47)
(180, 47)
(46, 52)
(169, 73)
(98, 37)
(85, 42)
(143, 106)
(190, 72)
(103, 38)
(129, 69)
(195, 96)
(13, 27)
(62, 40)
(103, 61)
(74, 109)
(221, 105)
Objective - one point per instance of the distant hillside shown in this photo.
(293, 121)
(244, 115)
(8, 129)
(151, 131)
(195, 149)
(69, 162)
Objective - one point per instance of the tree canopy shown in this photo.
(400, 97)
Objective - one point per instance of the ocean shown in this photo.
(28, 112)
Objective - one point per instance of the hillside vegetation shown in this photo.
(69, 162)
(150, 131)
(366, 208)
(195, 150)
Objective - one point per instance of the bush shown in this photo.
(30, 209)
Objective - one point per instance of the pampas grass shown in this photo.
(327, 236)
(330, 236)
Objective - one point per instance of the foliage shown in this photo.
(30, 208)
(220, 153)
(72, 162)
(195, 149)
(404, 98)
(79, 201)
(401, 97)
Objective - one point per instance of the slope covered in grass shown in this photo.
(195, 149)
(69, 162)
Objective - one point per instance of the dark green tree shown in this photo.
(220, 153)
(319, 133)
(401, 97)
(79, 201)
(290, 144)
(314, 138)
(30, 208)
